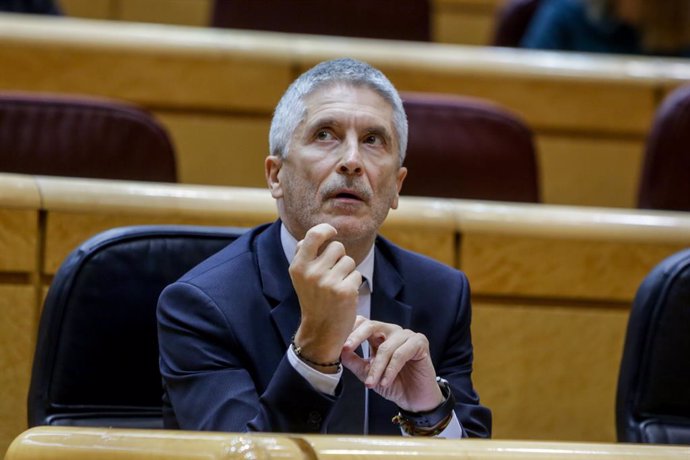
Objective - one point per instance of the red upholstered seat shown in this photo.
(462, 147)
(80, 136)
(665, 182)
(386, 19)
(512, 21)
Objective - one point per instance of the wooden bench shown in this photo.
(215, 90)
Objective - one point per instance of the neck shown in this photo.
(358, 250)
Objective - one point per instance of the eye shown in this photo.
(324, 135)
(374, 139)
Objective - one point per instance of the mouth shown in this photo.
(347, 195)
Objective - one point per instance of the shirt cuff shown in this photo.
(325, 383)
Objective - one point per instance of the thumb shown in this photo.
(356, 364)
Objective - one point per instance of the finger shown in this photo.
(308, 248)
(413, 349)
(335, 259)
(388, 358)
(366, 329)
(355, 363)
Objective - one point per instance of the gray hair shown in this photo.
(291, 110)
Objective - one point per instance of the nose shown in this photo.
(351, 161)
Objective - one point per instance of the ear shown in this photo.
(402, 173)
(272, 167)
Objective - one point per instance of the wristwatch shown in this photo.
(432, 422)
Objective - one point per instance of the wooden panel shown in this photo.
(148, 76)
(436, 243)
(463, 22)
(17, 340)
(65, 231)
(219, 150)
(185, 12)
(93, 9)
(18, 240)
(548, 372)
(424, 225)
(551, 267)
(552, 103)
(589, 172)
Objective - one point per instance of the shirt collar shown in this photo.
(365, 268)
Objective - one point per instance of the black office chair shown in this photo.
(653, 401)
(96, 360)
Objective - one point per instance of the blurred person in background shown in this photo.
(30, 6)
(612, 26)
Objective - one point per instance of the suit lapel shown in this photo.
(275, 279)
(388, 285)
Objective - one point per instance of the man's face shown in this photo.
(342, 165)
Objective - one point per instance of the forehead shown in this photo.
(347, 101)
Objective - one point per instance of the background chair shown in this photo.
(462, 147)
(77, 136)
(512, 22)
(665, 180)
(653, 401)
(388, 19)
(96, 360)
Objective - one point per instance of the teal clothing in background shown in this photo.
(566, 25)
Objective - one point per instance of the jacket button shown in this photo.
(314, 419)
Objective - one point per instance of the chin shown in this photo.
(352, 228)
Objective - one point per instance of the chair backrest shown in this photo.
(96, 360)
(653, 400)
(512, 21)
(461, 147)
(665, 179)
(80, 136)
(385, 19)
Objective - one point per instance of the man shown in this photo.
(285, 328)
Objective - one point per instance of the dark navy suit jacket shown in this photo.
(225, 326)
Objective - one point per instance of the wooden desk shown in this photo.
(54, 443)
(19, 253)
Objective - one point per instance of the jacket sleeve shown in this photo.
(208, 383)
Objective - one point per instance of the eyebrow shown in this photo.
(331, 121)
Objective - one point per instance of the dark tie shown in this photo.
(348, 414)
